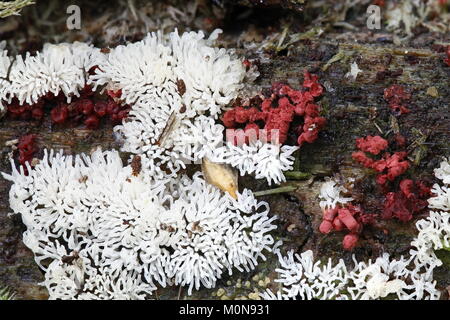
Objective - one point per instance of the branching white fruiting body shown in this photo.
(177, 86)
(57, 68)
(434, 231)
(405, 279)
(302, 277)
(110, 232)
(5, 62)
(264, 160)
(330, 195)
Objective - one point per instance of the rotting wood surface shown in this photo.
(353, 108)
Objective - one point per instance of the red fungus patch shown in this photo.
(92, 122)
(402, 202)
(27, 148)
(88, 109)
(25, 111)
(389, 166)
(380, 3)
(447, 60)
(59, 114)
(397, 97)
(277, 112)
(392, 165)
(411, 199)
(400, 140)
(247, 64)
(350, 218)
(350, 241)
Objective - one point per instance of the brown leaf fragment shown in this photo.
(170, 126)
(70, 259)
(167, 228)
(181, 86)
(136, 165)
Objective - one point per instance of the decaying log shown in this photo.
(354, 107)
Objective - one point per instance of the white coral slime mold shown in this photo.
(303, 278)
(220, 234)
(177, 85)
(384, 277)
(330, 194)
(434, 231)
(151, 68)
(404, 278)
(101, 230)
(5, 63)
(264, 160)
(57, 68)
(443, 172)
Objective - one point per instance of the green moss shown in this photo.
(7, 294)
(444, 256)
(13, 7)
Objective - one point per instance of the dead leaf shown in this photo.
(221, 175)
